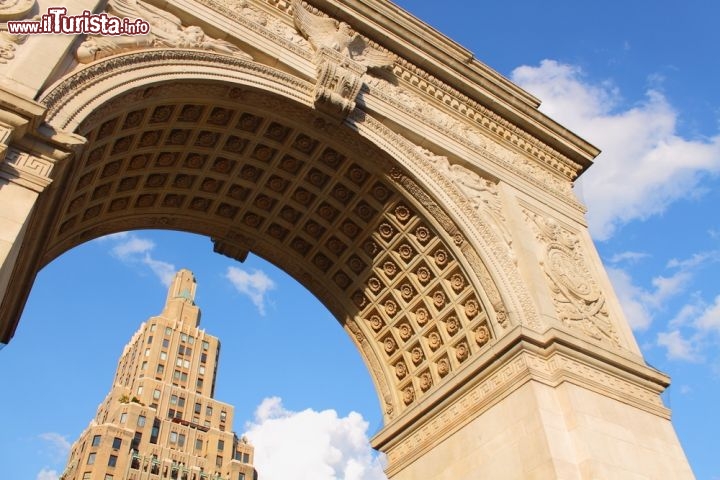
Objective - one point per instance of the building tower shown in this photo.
(160, 420)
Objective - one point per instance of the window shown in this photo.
(176, 374)
(156, 394)
(171, 413)
(96, 440)
(223, 415)
(181, 440)
(241, 476)
(112, 461)
(181, 402)
(199, 383)
(140, 390)
(150, 339)
(183, 377)
(181, 350)
(198, 408)
(205, 345)
(188, 351)
(221, 445)
(166, 343)
(203, 358)
(160, 369)
(173, 437)
(123, 417)
(135, 443)
(163, 355)
(173, 399)
(91, 459)
(219, 461)
(155, 431)
(141, 421)
(147, 352)
(117, 442)
(108, 476)
(183, 337)
(153, 327)
(198, 444)
(86, 475)
(208, 411)
(168, 330)
(202, 369)
(246, 458)
(191, 340)
(186, 363)
(143, 366)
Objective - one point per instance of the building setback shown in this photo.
(160, 420)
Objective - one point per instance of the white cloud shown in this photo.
(629, 257)
(666, 287)
(639, 303)
(311, 445)
(163, 270)
(645, 164)
(678, 348)
(630, 297)
(47, 474)
(255, 285)
(135, 249)
(709, 320)
(58, 445)
(132, 245)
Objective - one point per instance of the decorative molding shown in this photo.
(62, 95)
(544, 175)
(579, 301)
(26, 169)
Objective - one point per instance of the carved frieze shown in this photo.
(469, 133)
(26, 169)
(579, 301)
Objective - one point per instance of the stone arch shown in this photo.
(231, 149)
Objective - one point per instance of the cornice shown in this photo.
(552, 358)
(447, 63)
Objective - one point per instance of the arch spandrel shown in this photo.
(262, 173)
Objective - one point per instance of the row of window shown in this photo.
(88, 475)
(116, 444)
(112, 460)
(184, 337)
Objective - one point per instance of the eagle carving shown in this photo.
(328, 33)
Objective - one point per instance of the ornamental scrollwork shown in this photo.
(579, 301)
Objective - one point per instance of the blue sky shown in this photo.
(636, 78)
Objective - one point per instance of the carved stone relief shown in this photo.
(342, 58)
(166, 30)
(13, 10)
(579, 302)
(471, 136)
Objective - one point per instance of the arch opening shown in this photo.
(259, 173)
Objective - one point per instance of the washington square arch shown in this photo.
(421, 196)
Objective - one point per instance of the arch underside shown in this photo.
(260, 173)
